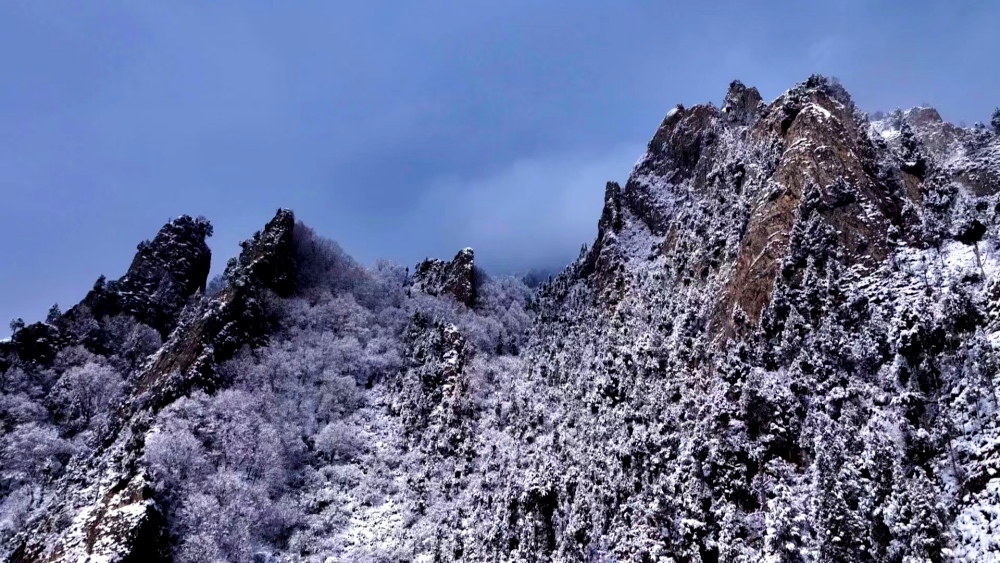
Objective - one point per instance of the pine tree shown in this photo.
(54, 314)
(16, 325)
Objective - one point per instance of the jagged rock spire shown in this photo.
(456, 278)
(124, 523)
(267, 257)
(164, 273)
(742, 104)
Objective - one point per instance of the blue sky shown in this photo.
(401, 129)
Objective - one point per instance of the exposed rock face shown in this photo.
(236, 317)
(455, 278)
(268, 258)
(805, 162)
(797, 287)
(827, 166)
(742, 105)
(433, 389)
(164, 274)
(601, 256)
(112, 516)
(963, 156)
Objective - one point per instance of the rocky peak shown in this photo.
(757, 166)
(456, 278)
(827, 180)
(267, 258)
(164, 273)
(684, 136)
(117, 519)
(163, 276)
(923, 116)
(742, 104)
(178, 250)
(235, 317)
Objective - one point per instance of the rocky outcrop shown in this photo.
(826, 173)
(801, 166)
(234, 318)
(602, 260)
(743, 105)
(267, 258)
(113, 516)
(607, 227)
(456, 278)
(432, 394)
(969, 157)
(165, 272)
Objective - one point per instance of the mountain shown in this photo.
(781, 346)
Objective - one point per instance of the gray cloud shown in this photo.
(532, 212)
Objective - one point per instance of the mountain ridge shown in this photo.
(779, 346)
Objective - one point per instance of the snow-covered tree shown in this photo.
(85, 395)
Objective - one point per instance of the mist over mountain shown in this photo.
(116, 117)
(780, 346)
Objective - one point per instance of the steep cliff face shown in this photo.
(455, 278)
(721, 190)
(778, 347)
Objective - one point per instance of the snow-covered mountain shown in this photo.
(780, 347)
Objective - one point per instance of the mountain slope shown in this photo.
(780, 347)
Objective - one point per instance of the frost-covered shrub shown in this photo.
(32, 453)
(339, 441)
(14, 511)
(323, 265)
(175, 458)
(131, 341)
(85, 395)
(501, 319)
(230, 519)
(19, 408)
(337, 395)
(220, 463)
(74, 356)
(32, 381)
